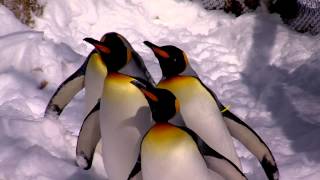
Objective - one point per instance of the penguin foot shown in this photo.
(82, 162)
(52, 111)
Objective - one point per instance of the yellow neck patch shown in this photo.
(129, 55)
(118, 86)
(185, 88)
(178, 82)
(119, 78)
(96, 63)
(185, 58)
(163, 135)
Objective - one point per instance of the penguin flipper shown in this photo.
(135, 174)
(249, 138)
(88, 138)
(220, 164)
(224, 167)
(216, 161)
(65, 92)
(253, 142)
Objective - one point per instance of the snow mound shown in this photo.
(268, 74)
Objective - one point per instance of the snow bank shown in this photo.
(266, 72)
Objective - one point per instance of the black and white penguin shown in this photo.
(201, 110)
(91, 75)
(123, 115)
(170, 152)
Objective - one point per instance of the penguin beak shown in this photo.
(157, 50)
(98, 45)
(145, 90)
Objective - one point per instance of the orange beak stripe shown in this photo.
(161, 52)
(103, 48)
(150, 95)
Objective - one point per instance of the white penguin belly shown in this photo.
(95, 74)
(124, 119)
(173, 157)
(201, 114)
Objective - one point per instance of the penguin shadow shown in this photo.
(137, 122)
(85, 175)
(145, 113)
(278, 89)
(81, 174)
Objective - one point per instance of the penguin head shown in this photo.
(113, 50)
(173, 60)
(163, 103)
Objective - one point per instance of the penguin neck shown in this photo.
(164, 77)
(171, 71)
(113, 68)
(116, 74)
(113, 71)
(113, 62)
(161, 125)
(161, 121)
(161, 116)
(168, 72)
(169, 75)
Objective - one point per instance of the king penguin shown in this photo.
(123, 112)
(169, 152)
(90, 76)
(201, 110)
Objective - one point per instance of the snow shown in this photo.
(267, 73)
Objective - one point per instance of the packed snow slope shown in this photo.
(269, 74)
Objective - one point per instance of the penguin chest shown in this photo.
(96, 72)
(168, 153)
(124, 119)
(201, 113)
(198, 108)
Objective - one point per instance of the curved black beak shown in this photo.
(138, 84)
(98, 45)
(147, 89)
(158, 51)
(91, 41)
(150, 45)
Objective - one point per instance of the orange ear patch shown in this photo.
(129, 55)
(185, 57)
(150, 95)
(161, 52)
(177, 105)
(102, 48)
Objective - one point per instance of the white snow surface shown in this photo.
(269, 74)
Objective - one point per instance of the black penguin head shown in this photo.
(163, 103)
(173, 60)
(113, 50)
